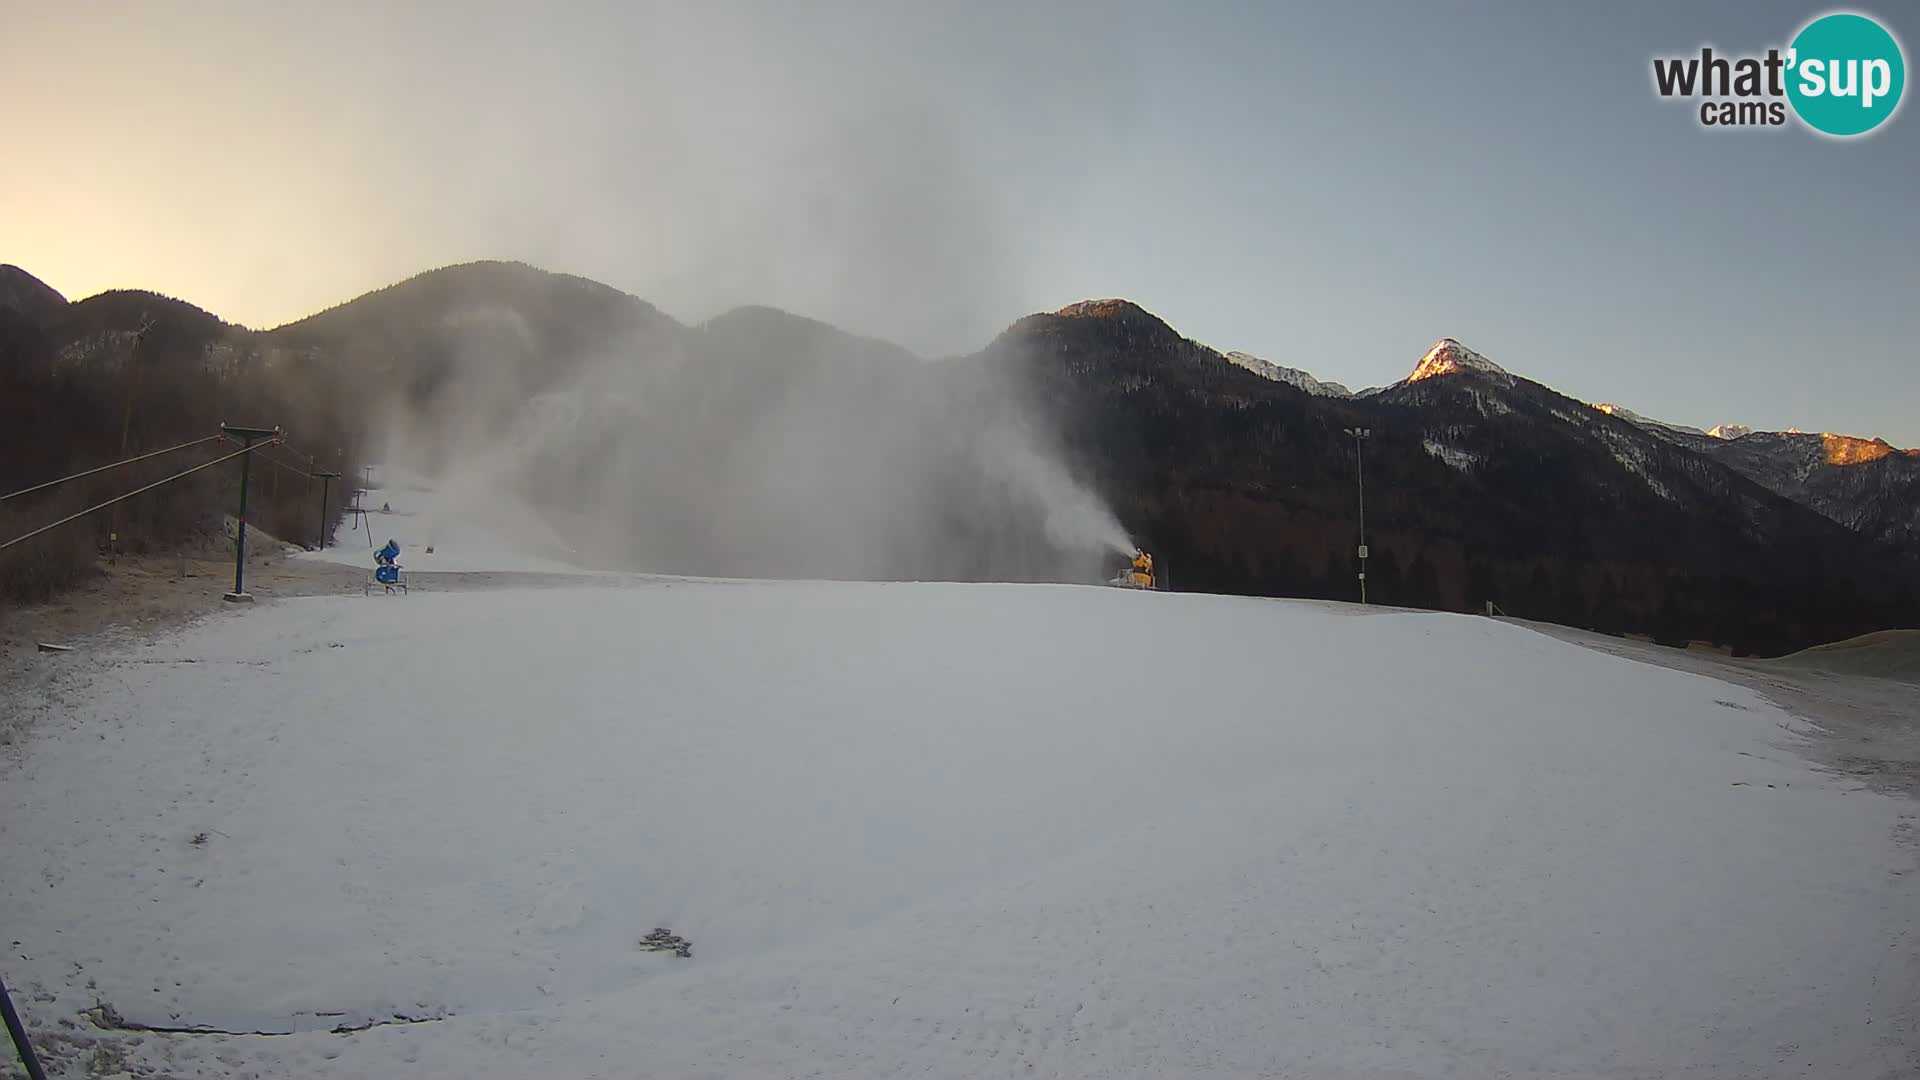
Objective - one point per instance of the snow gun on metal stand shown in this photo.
(386, 570)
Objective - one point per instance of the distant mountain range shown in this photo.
(1820, 471)
(1865, 484)
(1481, 485)
(765, 443)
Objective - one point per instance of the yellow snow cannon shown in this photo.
(1138, 575)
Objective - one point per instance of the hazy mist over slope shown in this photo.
(759, 443)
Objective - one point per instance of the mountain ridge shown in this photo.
(1482, 485)
(25, 294)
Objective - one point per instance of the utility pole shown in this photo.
(326, 479)
(1360, 435)
(248, 437)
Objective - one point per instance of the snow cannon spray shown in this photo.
(1073, 517)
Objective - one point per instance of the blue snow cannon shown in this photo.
(386, 570)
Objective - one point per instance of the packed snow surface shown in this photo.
(947, 830)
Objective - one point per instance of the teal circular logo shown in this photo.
(1845, 73)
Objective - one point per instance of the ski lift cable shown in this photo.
(128, 495)
(294, 469)
(299, 453)
(104, 468)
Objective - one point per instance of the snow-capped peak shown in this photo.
(1448, 357)
(1267, 369)
(1729, 431)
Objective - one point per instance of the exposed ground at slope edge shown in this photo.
(1870, 726)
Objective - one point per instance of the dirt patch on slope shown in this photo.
(1859, 693)
(1888, 654)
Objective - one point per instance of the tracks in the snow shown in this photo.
(107, 1018)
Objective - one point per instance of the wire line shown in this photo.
(131, 494)
(104, 468)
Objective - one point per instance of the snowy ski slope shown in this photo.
(471, 527)
(945, 830)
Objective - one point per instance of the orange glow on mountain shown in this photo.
(1847, 450)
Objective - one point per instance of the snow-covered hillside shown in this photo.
(943, 830)
(1649, 422)
(1267, 369)
(1867, 485)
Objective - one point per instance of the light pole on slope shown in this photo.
(1360, 436)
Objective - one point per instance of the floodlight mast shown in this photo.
(1360, 435)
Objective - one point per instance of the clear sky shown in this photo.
(1332, 189)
